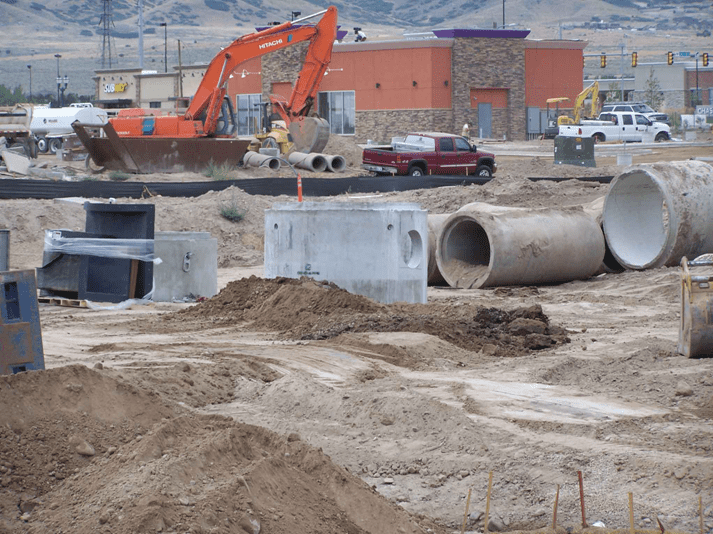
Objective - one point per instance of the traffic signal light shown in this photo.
(669, 57)
(705, 59)
(603, 60)
(634, 59)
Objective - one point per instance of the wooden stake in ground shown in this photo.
(487, 501)
(631, 513)
(554, 510)
(465, 516)
(581, 499)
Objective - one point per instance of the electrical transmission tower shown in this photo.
(106, 22)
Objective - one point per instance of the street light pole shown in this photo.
(29, 67)
(165, 46)
(59, 80)
(697, 97)
(503, 13)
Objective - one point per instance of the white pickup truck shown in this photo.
(619, 126)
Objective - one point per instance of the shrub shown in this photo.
(219, 172)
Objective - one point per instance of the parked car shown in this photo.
(420, 154)
(637, 107)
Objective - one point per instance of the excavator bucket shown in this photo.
(309, 134)
(142, 155)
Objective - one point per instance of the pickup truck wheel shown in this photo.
(42, 145)
(661, 136)
(599, 138)
(415, 171)
(484, 171)
(55, 145)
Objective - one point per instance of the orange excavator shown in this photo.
(137, 141)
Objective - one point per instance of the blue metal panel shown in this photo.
(20, 330)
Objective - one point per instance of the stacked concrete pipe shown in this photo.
(482, 245)
(310, 162)
(656, 214)
(254, 159)
(335, 163)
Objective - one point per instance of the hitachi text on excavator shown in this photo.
(139, 141)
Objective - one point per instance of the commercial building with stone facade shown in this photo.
(495, 80)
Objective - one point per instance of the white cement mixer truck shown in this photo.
(49, 125)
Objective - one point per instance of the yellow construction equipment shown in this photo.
(591, 91)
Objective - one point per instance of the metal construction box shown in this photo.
(379, 250)
(20, 330)
(574, 151)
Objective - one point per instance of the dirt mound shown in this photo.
(86, 452)
(306, 309)
(61, 419)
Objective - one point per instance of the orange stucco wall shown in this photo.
(252, 83)
(550, 73)
(497, 97)
(394, 71)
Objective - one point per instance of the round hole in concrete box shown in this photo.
(413, 249)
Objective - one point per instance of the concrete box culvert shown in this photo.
(482, 245)
(378, 250)
(656, 214)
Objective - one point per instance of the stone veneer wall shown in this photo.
(489, 63)
(283, 66)
(381, 125)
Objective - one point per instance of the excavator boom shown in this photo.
(138, 141)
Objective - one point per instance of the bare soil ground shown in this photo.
(292, 406)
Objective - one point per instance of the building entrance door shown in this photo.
(485, 120)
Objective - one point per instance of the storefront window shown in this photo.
(337, 107)
(248, 113)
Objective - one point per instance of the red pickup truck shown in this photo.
(420, 154)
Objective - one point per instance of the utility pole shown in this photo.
(30, 69)
(165, 45)
(106, 22)
(59, 80)
(141, 34)
(697, 96)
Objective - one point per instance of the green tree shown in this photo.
(653, 95)
(614, 93)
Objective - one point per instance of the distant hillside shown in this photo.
(34, 31)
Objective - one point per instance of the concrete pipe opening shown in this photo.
(656, 214)
(465, 253)
(335, 163)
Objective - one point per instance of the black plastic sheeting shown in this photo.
(311, 187)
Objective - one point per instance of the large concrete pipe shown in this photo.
(435, 225)
(335, 163)
(254, 159)
(482, 245)
(594, 209)
(310, 162)
(656, 214)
